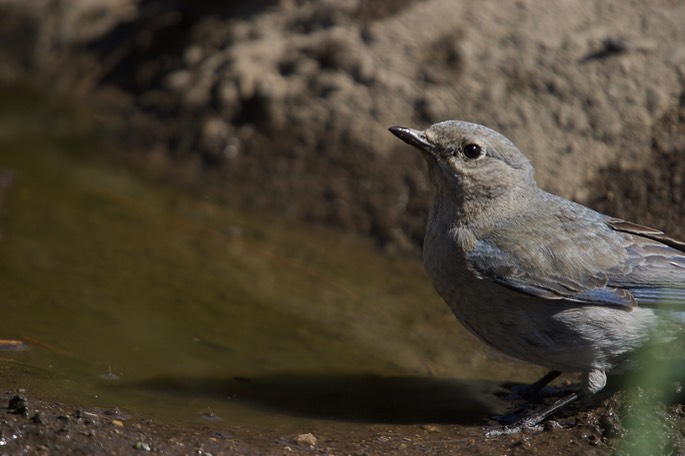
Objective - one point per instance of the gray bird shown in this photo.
(536, 276)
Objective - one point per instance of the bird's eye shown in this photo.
(473, 151)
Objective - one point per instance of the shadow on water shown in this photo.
(365, 398)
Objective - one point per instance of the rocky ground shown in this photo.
(30, 425)
(285, 105)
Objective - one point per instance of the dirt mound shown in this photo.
(653, 194)
(286, 104)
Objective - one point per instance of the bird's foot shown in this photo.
(514, 428)
(530, 422)
(525, 425)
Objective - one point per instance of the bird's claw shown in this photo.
(515, 428)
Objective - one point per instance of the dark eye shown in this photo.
(473, 151)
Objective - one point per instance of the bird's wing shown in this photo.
(646, 232)
(657, 275)
(604, 262)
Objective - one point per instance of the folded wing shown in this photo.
(604, 261)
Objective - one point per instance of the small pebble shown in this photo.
(307, 439)
(430, 428)
(142, 446)
(18, 405)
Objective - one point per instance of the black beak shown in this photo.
(412, 137)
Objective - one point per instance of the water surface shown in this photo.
(132, 294)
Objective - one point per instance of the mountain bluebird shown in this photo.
(536, 276)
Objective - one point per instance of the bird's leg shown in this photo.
(533, 390)
(530, 421)
(533, 420)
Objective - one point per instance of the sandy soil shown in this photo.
(285, 105)
(288, 106)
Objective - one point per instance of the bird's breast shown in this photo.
(444, 256)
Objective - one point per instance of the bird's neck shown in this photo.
(455, 210)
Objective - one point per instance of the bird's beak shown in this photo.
(412, 137)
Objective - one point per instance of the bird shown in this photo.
(538, 277)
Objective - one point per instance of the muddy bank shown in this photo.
(31, 425)
(34, 426)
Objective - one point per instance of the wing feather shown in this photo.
(605, 261)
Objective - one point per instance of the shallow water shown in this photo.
(131, 294)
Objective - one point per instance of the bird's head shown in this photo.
(470, 161)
